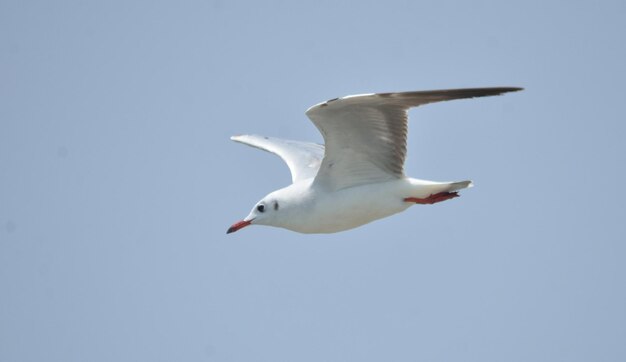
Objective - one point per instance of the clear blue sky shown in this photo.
(118, 181)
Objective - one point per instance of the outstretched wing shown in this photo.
(303, 158)
(365, 135)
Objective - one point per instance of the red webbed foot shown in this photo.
(433, 199)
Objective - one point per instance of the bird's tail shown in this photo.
(424, 188)
(456, 186)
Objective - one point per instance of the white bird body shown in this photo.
(311, 209)
(357, 176)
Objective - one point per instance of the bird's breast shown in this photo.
(330, 212)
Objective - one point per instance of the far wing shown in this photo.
(303, 158)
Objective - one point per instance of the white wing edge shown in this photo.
(302, 158)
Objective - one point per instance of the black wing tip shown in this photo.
(476, 92)
(485, 92)
(418, 98)
(507, 89)
(457, 92)
(461, 93)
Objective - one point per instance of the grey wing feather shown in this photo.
(365, 135)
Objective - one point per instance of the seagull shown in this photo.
(357, 176)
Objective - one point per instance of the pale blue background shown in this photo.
(118, 182)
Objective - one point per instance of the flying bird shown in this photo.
(357, 176)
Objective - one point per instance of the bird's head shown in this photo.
(265, 212)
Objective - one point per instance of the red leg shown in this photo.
(434, 198)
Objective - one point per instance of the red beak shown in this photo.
(238, 225)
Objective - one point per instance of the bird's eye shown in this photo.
(261, 208)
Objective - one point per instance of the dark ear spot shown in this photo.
(275, 205)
